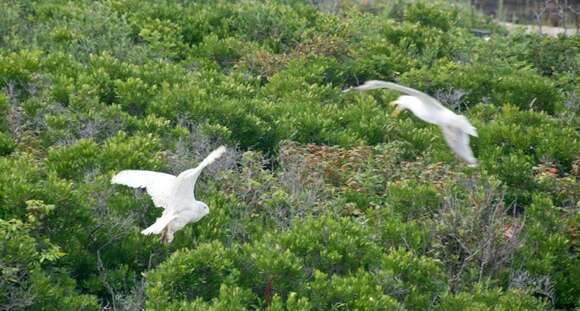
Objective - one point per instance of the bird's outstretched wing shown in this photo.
(183, 191)
(378, 84)
(458, 141)
(158, 185)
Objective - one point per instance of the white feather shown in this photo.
(184, 187)
(458, 141)
(158, 185)
(159, 225)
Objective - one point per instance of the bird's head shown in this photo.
(399, 107)
(397, 111)
(402, 103)
(199, 210)
(204, 208)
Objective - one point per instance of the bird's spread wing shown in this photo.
(463, 123)
(183, 192)
(458, 141)
(158, 185)
(378, 84)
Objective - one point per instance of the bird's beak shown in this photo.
(397, 111)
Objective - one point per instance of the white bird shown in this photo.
(175, 194)
(456, 128)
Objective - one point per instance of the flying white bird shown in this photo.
(456, 128)
(175, 194)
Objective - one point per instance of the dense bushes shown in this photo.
(191, 274)
(386, 218)
(23, 281)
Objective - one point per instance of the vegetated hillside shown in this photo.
(323, 201)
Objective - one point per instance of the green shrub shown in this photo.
(512, 144)
(9, 17)
(75, 160)
(430, 15)
(18, 68)
(23, 282)
(137, 152)
(133, 94)
(294, 302)
(7, 145)
(164, 37)
(396, 233)
(359, 291)
(85, 29)
(4, 111)
(332, 246)
(422, 278)
(280, 24)
(355, 210)
(550, 56)
(230, 298)
(225, 52)
(527, 90)
(486, 82)
(412, 199)
(548, 249)
(266, 265)
(18, 183)
(191, 274)
(378, 58)
(490, 299)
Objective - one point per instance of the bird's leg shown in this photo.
(164, 236)
(169, 236)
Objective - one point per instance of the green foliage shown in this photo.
(323, 201)
(7, 145)
(422, 277)
(292, 303)
(17, 184)
(280, 24)
(431, 16)
(517, 140)
(23, 282)
(356, 292)
(266, 264)
(413, 200)
(4, 110)
(74, 160)
(17, 68)
(549, 250)
(230, 298)
(191, 274)
(332, 246)
(491, 299)
(521, 87)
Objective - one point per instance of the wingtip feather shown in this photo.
(467, 126)
(216, 153)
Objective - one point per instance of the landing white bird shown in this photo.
(175, 194)
(456, 128)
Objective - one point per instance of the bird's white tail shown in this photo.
(466, 126)
(158, 226)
